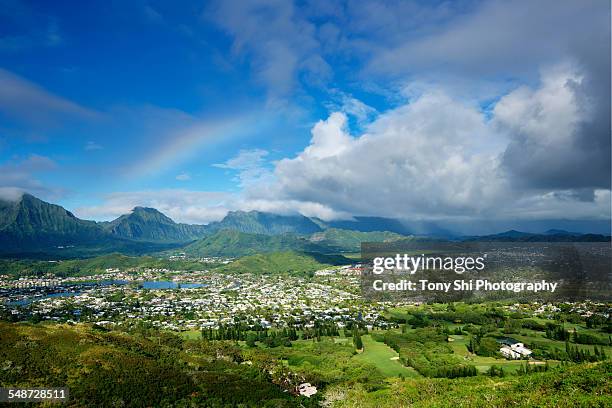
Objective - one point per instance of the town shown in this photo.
(176, 300)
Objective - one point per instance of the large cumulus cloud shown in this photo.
(438, 157)
(559, 136)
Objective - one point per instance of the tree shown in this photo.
(357, 340)
(251, 339)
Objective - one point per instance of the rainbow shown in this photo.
(185, 144)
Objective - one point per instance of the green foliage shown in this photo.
(232, 243)
(580, 355)
(357, 340)
(484, 346)
(572, 386)
(557, 332)
(327, 362)
(512, 326)
(292, 263)
(533, 325)
(427, 351)
(496, 371)
(588, 338)
(104, 369)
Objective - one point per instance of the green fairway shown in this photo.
(192, 334)
(380, 355)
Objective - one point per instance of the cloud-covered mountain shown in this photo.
(256, 222)
(233, 243)
(447, 111)
(29, 225)
(32, 223)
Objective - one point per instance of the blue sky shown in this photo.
(428, 110)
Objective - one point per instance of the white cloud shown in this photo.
(430, 158)
(360, 110)
(548, 141)
(245, 159)
(279, 42)
(351, 106)
(198, 207)
(250, 166)
(193, 207)
(183, 177)
(91, 145)
(289, 207)
(329, 137)
(438, 157)
(493, 37)
(11, 193)
(23, 176)
(433, 158)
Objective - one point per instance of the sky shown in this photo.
(460, 111)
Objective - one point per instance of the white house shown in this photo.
(515, 351)
(307, 390)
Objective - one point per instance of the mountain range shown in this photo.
(33, 227)
(150, 225)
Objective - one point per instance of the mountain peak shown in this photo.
(147, 214)
(151, 225)
(513, 233)
(29, 198)
(33, 222)
(145, 209)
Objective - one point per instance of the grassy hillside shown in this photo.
(152, 368)
(105, 369)
(234, 243)
(293, 263)
(585, 385)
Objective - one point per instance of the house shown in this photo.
(307, 390)
(515, 351)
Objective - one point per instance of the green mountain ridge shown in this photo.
(232, 243)
(30, 227)
(33, 223)
(148, 224)
(33, 228)
(256, 222)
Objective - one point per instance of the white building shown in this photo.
(515, 351)
(307, 390)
